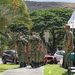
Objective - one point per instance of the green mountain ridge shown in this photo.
(44, 5)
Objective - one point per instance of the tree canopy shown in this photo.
(52, 20)
(15, 17)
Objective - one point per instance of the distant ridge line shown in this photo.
(32, 5)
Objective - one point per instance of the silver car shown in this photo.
(59, 54)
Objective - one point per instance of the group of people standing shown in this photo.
(33, 53)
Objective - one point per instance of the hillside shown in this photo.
(44, 5)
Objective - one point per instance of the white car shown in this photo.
(59, 54)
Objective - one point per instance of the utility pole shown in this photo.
(47, 39)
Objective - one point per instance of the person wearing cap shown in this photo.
(68, 45)
(22, 51)
(34, 50)
(39, 52)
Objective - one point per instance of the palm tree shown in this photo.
(21, 12)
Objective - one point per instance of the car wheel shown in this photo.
(4, 61)
(15, 61)
(55, 60)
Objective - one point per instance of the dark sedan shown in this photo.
(10, 56)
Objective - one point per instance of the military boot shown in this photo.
(24, 64)
(21, 64)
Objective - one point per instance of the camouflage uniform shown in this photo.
(67, 36)
(22, 55)
(42, 53)
(34, 51)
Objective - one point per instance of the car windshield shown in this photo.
(13, 52)
(60, 52)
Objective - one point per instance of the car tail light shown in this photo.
(49, 58)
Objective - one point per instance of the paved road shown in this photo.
(1, 61)
(24, 71)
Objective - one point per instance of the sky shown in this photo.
(73, 1)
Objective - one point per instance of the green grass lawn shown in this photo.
(49, 69)
(54, 70)
(4, 67)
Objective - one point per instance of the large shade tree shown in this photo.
(52, 20)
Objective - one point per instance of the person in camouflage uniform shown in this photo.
(42, 54)
(34, 50)
(41, 51)
(68, 45)
(21, 49)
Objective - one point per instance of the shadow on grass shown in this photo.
(11, 64)
(66, 73)
(2, 69)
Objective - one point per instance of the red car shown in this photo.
(49, 59)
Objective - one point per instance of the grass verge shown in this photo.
(54, 70)
(4, 67)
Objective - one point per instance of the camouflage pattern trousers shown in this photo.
(69, 62)
(22, 56)
(36, 56)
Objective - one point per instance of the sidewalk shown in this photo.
(1, 61)
(24, 71)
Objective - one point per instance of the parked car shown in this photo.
(49, 59)
(59, 54)
(10, 56)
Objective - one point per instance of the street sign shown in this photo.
(46, 36)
